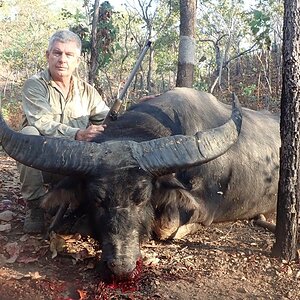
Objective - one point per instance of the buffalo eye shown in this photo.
(99, 196)
(142, 192)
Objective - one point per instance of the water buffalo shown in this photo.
(166, 165)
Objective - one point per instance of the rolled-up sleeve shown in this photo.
(98, 108)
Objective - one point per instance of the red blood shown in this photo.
(129, 284)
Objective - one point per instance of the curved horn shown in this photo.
(56, 155)
(168, 154)
(160, 156)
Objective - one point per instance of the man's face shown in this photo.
(63, 59)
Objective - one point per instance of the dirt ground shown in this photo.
(224, 261)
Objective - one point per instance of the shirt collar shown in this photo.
(47, 77)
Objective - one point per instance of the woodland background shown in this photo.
(238, 47)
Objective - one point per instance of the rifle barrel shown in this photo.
(113, 112)
(134, 70)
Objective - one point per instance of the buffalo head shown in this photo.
(120, 178)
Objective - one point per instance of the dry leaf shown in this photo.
(24, 237)
(57, 244)
(289, 271)
(2, 260)
(12, 259)
(13, 249)
(6, 215)
(36, 275)
(8, 274)
(151, 261)
(5, 227)
(27, 260)
(82, 294)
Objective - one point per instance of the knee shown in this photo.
(30, 130)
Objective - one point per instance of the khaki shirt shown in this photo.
(46, 108)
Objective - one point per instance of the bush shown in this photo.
(12, 113)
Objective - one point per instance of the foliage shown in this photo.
(224, 31)
(220, 25)
(12, 113)
(78, 23)
(102, 52)
(260, 25)
(248, 91)
(264, 22)
(106, 35)
(23, 51)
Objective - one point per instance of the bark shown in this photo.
(288, 194)
(94, 53)
(149, 74)
(186, 54)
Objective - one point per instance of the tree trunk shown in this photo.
(288, 194)
(149, 74)
(186, 53)
(93, 66)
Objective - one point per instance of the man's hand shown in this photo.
(89, 133)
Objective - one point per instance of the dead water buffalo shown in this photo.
(177, 159)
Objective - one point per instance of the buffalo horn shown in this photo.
(55, 155)
(160, 156)
(169, 154)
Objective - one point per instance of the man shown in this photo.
(57, 103)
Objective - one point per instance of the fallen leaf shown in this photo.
(12, 259)
(6, 215)
(57, 244)
(72, 238)
(82, 294)
(2, 260)
(289, 271)
(27, 260)
(242, 290)
(36, 275)
(13, 249)
(80, 255)
(5, 227)
(12, 275)
(24, 237)
(151, 261)
(5, 203)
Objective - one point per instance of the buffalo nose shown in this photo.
(111, 264)
(119, 268)
(115, 266)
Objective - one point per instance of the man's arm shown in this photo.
(39, 113)
(97, 113)
(98, 108)
(89, 133)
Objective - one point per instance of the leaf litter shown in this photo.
(223, 261)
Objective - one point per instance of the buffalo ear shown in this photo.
(168, 182)
(174, 207)
(67, 191)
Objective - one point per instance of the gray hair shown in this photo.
(65, 36)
